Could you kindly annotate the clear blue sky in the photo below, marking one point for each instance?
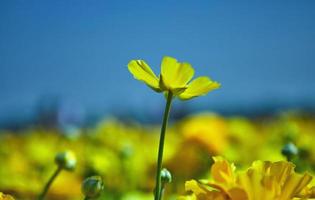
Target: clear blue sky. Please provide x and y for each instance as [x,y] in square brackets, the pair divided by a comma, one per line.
[261,51]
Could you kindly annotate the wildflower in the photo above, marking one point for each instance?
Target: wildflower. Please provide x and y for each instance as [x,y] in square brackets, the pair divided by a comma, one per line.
[174,78]
[262,181]
[173,81]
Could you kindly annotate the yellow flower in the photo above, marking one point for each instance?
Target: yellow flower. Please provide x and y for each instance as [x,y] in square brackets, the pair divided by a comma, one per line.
[208,130]
[5,197]
[262,181]
[174,78]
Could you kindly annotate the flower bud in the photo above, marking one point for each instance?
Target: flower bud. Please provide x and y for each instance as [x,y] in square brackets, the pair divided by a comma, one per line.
[289,150]
[166,176]
[92,186]
[66,160]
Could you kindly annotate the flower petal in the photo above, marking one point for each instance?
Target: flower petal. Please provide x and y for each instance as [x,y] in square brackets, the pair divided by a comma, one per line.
[5,197]
[200,86]
[222,171]
[194,186]
[237,193]
[141,71]
[175,75]
[294,184]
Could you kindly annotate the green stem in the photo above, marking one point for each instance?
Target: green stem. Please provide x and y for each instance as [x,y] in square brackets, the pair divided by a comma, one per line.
[161,147]
[161,192]
[48,184]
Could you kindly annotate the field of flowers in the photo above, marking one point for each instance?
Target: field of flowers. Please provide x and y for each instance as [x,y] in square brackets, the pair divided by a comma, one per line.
[124,154]
[157,100]
[206,156]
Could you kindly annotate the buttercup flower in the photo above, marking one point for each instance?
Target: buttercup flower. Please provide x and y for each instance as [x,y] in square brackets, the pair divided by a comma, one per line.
[173,81]
[174,78]
[262,181]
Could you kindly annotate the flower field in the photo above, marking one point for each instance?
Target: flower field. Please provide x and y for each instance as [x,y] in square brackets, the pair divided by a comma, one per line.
[157,100]
[124,153]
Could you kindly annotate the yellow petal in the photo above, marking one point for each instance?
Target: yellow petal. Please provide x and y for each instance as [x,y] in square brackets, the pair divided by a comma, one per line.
[141,71]
[222,171]
[175,75]
[200,86]
[307,193]
[188,197]
[294,185]
[194,186]
[5,197]
[201,192]
[237,193]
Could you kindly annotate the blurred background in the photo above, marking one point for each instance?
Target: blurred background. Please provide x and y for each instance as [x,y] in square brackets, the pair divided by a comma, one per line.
[64,84]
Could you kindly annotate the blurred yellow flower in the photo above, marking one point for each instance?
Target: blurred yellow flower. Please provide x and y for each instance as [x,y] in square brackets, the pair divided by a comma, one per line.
[206,129]
[5,197]
[262,181]
[174,77]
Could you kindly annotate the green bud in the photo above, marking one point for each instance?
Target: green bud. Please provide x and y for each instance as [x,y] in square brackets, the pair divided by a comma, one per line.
[289,150]
[66,160]
[92,186]
[166,176]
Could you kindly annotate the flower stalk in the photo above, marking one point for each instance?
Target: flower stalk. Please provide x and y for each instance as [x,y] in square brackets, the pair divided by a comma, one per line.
[174,81]
[48,184]
[158,184]
[64,160]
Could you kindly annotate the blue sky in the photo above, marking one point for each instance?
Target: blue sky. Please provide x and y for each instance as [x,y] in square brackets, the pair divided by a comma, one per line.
[261,51]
